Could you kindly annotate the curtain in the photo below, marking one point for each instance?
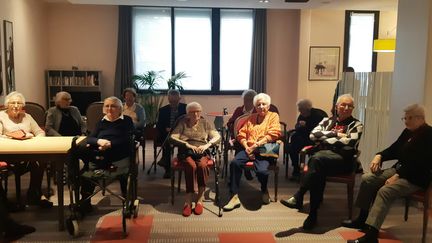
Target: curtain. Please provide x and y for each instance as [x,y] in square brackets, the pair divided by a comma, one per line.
[371,92]
[124,51]
[259,51]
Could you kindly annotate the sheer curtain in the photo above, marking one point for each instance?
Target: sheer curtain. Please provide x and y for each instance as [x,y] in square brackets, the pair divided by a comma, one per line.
[371,92]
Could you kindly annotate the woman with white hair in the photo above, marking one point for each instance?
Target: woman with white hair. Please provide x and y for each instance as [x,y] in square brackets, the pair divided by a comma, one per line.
[260,128]
[14,119]
[111,136]
[194,136]
[64,119]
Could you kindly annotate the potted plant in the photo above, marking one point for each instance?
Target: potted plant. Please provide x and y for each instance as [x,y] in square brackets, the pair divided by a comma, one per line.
[174,81]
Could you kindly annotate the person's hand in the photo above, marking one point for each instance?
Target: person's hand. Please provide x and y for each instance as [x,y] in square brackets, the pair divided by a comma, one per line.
[302,123]
[194,148]
[29,135]
[104,144]
[168,129]
[392,179]
[201,149]
[375,165]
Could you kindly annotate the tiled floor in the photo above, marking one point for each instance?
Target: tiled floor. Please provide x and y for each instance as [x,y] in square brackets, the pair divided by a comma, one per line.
[167,224]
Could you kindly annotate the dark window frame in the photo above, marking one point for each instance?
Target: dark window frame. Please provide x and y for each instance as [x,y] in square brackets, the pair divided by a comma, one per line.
[215,50]
[347,36]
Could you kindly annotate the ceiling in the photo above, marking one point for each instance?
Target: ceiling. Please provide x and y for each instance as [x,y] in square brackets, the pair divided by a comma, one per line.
[383,5]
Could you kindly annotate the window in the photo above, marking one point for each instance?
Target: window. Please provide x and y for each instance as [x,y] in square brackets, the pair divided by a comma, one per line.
[235,49]
[361,28]
[212,46]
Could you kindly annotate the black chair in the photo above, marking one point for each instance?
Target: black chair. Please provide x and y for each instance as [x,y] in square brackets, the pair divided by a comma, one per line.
[101,178]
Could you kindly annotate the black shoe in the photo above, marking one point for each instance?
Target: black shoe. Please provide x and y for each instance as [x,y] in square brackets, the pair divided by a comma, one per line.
[292,202]
[295,177]
[354,224]
[42,203]
[85,208]
[310,222]
[248,175]
[15,230]
[15,207]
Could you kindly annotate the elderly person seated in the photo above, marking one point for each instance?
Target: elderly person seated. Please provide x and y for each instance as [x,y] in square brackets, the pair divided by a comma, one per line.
[168,114]
[64,119]
[112,138]
[14,119]
[247,108]
[337,139]
[260,128]
[380,188]
[133,109]
[307,120]
[194,136]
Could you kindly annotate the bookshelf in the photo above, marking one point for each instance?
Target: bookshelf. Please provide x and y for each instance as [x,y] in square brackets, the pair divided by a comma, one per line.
[83,85]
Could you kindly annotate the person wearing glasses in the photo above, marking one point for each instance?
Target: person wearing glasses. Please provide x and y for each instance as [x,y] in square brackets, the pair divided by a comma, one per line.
[194,136]
[337,138]
[380,188]
[64,119]
[112,138]
[15,120]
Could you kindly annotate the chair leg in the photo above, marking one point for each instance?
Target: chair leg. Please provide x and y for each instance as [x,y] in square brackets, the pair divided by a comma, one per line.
[48,175]
[143,154]
[172,186]
[407,203]
[18,187]
[425,219]
[350,189]
[179,180]
[276,183]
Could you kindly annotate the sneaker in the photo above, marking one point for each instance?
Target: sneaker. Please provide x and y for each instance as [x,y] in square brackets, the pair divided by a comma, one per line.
[187,210]
[265,198]
[198,210]
[232,204]
[292,202]
[310,222]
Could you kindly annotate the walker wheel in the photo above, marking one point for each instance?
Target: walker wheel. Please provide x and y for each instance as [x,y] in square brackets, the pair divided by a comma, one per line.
[72,226]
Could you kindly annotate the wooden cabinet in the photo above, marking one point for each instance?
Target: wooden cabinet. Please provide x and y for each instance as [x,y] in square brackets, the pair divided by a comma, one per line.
[83,85]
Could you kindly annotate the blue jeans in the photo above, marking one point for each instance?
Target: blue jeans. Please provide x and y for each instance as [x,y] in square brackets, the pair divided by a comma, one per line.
[236,169]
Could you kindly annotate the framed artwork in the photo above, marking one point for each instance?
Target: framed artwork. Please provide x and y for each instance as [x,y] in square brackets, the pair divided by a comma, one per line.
[324,63]
[9,56]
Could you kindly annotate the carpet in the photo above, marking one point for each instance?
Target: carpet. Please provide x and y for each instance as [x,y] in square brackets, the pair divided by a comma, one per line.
[383,237]
[249,237]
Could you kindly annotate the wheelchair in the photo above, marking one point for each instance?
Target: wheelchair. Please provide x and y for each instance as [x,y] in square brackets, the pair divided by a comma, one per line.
[100,173]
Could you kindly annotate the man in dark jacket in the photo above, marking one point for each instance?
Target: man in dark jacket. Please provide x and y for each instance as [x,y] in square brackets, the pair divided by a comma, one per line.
[166,121]
[307,120]
[411,173]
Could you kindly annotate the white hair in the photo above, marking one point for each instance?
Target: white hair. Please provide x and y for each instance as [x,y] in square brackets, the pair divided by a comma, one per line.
[62,95]
[304,103]
[249,93]
[344,96]
[14,94]
[116,100]
[193,104]
[416,110]
[262,96]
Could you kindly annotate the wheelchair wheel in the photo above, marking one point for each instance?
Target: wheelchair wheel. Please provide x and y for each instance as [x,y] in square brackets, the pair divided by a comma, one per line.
[136,208]
[72,226]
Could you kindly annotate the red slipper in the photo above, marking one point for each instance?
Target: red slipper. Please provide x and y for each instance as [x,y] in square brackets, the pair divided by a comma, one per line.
[198,210]
[187,210]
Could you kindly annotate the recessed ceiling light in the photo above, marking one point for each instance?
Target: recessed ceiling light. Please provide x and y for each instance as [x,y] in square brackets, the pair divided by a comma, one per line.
[264,1]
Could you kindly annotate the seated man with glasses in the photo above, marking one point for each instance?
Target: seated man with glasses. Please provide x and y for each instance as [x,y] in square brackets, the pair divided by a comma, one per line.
[337,138]
[380,188]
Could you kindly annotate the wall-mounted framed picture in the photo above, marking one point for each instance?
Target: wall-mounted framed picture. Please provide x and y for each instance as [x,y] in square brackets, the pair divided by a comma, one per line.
[324,63]
[9,56]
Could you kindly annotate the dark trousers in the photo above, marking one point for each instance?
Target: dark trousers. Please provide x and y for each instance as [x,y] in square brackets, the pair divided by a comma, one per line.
[322,164]
[37,170]
[237,166]
[297,144]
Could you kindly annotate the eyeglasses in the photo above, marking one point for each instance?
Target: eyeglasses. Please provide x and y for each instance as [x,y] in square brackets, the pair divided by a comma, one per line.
[16,103]
[408,118]
[111,106]
[346,106]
